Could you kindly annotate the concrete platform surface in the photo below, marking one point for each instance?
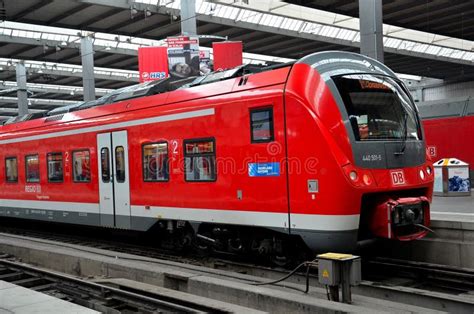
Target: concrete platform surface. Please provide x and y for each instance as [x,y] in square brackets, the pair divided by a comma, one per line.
[188,279]
[16,299]
[460,208]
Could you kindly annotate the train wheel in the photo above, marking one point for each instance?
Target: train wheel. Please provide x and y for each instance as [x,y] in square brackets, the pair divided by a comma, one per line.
[203,246]
[281,260]
[281,253]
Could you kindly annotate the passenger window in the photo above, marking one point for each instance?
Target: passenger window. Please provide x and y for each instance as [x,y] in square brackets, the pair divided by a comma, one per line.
[81,166]
[261,125]
[105,162]
[120,163]
[32,168]
[11,169]
[200,160]
[55,167]
[155,162]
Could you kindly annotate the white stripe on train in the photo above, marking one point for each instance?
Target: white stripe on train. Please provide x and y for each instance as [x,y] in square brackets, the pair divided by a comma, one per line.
[251,218]
[117,125]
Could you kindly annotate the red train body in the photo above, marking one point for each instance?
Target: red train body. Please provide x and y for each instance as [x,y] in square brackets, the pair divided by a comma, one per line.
[280,152]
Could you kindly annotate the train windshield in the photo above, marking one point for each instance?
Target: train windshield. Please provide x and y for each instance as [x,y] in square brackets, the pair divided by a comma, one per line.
[378,108]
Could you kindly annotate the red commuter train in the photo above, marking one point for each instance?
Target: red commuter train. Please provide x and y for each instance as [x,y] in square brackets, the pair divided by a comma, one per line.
[322,152]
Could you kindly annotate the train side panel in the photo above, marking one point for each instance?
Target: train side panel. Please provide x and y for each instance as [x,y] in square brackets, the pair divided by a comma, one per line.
[62,201]
[235,197]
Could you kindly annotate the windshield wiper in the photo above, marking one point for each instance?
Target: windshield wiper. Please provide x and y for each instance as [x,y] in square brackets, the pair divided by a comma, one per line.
[405,135]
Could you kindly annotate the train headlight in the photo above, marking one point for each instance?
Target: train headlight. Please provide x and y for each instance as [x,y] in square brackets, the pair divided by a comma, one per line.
[353,175]
[428,170]
[422,174]
[367,179]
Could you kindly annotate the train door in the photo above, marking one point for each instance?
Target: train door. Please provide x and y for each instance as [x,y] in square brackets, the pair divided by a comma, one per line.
[114,186]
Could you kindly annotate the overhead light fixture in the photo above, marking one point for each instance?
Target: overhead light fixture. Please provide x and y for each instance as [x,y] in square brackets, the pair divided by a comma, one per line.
[72,93]
[39,71]
[148,12]
[133,12]
[63,43]
[107,48]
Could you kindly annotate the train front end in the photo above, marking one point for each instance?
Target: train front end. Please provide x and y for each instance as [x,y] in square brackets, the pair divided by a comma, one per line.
[372,133]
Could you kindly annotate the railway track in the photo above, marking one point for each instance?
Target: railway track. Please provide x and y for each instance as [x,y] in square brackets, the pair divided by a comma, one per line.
[443,286]
[100,297]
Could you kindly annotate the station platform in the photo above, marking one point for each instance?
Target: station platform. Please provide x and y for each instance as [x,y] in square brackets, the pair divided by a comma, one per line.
[16,299]
[458,208]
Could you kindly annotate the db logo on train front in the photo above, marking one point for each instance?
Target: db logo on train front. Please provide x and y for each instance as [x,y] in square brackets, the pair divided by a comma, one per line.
[398,177]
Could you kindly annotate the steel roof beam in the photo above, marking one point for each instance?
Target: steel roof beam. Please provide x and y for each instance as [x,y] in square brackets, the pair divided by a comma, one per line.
[54,43]
[48,88]
[314,37]
[75,73]
[35,101]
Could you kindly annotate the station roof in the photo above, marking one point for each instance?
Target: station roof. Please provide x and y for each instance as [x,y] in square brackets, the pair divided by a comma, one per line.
[420,38]
[445,17]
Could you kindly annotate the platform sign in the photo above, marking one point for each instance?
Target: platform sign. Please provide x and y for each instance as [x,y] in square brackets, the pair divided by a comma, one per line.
[183,56]
[431,150]
[205,66]
[152,63]
[227,55]
[267,169]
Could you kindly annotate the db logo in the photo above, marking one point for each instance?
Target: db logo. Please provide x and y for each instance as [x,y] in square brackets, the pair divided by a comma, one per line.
[431,151]
[398,178]
[145,75]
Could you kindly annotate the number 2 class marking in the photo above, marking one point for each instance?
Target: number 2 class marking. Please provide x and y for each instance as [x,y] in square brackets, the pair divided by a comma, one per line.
[174,145]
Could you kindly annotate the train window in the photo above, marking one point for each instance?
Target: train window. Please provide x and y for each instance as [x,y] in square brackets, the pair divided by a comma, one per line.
[378,108]
[32,168]
[261,125]
[120,164]
[105,162]
[81,166]
[11,169]
[200,160]
[55,167]
[155,162]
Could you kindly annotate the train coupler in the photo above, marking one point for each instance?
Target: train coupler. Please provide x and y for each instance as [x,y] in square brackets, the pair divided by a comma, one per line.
[403,219]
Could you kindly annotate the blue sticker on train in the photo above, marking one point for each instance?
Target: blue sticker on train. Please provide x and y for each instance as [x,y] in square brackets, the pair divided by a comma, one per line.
[267,169]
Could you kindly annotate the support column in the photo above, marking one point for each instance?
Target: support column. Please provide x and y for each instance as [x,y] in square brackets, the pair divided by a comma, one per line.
[21,88]
[87,58]
[371,28]
[188,17]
